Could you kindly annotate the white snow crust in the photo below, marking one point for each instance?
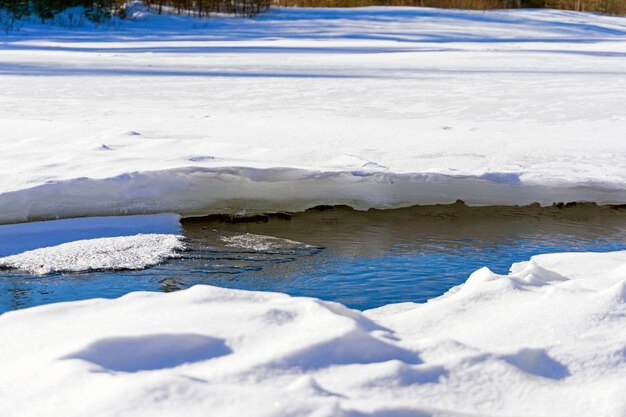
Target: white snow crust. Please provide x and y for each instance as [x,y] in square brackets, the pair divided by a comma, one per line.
[124,252]
[371,107]
[549,339]
[83,244]
[17,238]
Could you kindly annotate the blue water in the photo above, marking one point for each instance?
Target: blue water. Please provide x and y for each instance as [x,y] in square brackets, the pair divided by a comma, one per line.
[363,260]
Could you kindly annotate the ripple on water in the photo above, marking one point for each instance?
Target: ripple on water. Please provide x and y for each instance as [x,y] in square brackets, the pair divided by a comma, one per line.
[361,259]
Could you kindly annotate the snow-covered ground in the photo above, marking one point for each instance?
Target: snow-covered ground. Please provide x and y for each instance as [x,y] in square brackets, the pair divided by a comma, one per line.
[546,340]
[368,107]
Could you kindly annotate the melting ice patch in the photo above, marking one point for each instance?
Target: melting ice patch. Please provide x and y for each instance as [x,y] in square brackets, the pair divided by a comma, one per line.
[262,243]
[124,252]
[124,242]
[18,238]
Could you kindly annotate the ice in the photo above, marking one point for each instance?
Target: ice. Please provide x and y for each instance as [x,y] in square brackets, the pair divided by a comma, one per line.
[17,238]
[547,339]
[262,243]
[83,244]
[124,252]
[369,107]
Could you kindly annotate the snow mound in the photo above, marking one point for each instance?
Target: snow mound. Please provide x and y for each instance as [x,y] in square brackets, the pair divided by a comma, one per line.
[547,339]
[124,252]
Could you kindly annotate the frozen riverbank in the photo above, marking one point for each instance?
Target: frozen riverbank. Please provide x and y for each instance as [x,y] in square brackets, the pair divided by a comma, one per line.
[548,339]
[368,107]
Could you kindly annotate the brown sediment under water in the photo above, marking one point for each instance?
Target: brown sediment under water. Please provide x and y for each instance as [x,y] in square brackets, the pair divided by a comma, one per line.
[363,259]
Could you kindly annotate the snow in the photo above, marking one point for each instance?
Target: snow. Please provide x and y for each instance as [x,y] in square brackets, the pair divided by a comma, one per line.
[84,244]
[370,107]
[124,252]
[547,339]
[17,238]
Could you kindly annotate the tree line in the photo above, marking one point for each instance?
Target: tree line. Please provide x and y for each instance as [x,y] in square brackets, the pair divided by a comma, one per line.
[603,6]
[102,10]
[95,10]
[201,8]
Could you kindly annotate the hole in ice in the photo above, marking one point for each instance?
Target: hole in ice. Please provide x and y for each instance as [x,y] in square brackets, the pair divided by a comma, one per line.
[537,362]
[133,133]
[151,352]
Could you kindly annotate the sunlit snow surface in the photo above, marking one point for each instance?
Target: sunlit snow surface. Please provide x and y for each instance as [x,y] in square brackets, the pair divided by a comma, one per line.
[548,339]
[124,252]
[374,107]
[18,238]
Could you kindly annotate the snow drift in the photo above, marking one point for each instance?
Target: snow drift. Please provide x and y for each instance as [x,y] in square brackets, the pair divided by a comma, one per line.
[548,339]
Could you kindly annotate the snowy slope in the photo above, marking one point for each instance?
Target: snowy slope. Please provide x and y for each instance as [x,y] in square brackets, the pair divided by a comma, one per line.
[368,107]
[547,340]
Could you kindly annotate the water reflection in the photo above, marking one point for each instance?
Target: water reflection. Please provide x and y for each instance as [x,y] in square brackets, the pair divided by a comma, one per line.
[362,259]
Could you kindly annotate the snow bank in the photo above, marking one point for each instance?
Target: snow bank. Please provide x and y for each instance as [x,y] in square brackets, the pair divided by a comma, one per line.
[125,252]
[371,107]
[198,191]
[548,339]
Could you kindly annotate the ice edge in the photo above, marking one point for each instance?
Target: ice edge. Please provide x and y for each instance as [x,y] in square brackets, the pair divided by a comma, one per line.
[197,191]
